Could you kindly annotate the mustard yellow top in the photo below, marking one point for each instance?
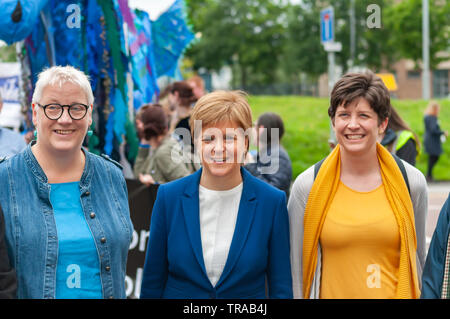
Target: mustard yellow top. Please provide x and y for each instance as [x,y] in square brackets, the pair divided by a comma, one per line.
[320,198]
[360,243]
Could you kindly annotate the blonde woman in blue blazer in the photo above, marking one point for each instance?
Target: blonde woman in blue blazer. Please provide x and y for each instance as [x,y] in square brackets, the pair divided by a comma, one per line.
[220,232]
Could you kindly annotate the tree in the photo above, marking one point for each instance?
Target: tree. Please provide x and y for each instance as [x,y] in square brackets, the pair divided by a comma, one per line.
[303,51]
[405,19]
[269,41]
[371,47]
[8,53]
[244,33]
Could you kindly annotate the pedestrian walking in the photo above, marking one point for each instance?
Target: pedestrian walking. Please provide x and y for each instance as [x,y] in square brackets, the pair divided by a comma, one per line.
[433,135]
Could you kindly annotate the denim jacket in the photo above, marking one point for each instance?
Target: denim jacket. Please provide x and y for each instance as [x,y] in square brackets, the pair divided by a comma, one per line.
[30,226]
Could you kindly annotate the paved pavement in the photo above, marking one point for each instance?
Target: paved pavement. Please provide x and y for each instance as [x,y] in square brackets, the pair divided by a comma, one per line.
[437,195]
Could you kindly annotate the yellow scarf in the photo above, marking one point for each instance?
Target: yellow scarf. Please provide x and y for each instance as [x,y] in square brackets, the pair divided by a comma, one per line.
[320,198]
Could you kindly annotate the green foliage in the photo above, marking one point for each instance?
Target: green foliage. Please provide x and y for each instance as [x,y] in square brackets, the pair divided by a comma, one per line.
[274,41]
[247,33]
[303,51]
[370,43]
[8,53]
[405,22]
[307,128]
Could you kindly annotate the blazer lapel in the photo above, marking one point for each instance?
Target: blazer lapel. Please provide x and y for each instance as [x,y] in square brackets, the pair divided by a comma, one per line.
[191,209]
[247,207]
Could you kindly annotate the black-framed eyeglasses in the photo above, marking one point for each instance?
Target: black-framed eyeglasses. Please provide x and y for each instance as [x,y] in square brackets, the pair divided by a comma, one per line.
[54,111]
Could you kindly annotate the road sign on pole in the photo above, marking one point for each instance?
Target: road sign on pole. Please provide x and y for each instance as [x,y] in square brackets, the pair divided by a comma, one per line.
[327,25]
[425,50]
[327,39]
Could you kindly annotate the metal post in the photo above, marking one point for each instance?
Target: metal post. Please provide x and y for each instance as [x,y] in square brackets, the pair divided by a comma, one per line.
[352,33]
[425,51]
[331,72]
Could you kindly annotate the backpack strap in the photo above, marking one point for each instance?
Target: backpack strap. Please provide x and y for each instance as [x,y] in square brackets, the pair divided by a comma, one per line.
[396,158]
[403,170]
[317,167]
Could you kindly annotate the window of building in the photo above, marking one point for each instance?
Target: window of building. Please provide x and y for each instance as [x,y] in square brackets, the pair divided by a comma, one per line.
[440,83]
[414,74]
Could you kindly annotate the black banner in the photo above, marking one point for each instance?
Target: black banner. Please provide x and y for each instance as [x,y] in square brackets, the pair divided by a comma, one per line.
[141,199]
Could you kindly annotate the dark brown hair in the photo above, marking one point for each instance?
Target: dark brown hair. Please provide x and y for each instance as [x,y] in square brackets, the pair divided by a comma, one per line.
[396,123]
[141,110]
[269,121]
[354,86]
[154,120]
[165,92]
[185,93]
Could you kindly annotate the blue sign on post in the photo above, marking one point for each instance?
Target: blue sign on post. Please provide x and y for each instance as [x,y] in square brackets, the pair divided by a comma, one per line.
[327,25]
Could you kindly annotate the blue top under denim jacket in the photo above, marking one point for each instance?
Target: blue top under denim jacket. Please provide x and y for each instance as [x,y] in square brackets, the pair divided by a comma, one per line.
[31,230]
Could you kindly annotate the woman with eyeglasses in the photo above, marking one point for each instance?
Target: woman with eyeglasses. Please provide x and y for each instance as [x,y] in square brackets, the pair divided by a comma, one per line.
[66,210]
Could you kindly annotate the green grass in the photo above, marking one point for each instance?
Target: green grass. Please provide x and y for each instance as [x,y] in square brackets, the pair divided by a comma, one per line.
[307,128]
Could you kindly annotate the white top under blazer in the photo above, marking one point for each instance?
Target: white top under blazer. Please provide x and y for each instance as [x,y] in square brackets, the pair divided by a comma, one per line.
[218,214]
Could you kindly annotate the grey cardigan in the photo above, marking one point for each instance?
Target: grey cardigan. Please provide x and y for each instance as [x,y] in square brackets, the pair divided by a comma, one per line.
[296,208]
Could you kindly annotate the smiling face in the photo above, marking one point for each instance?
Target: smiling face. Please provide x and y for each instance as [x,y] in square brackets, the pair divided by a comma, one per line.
[357,127]
[63,134]
[222,149]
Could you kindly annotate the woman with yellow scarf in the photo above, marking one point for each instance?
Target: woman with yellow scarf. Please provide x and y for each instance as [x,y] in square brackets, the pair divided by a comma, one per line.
[356,229]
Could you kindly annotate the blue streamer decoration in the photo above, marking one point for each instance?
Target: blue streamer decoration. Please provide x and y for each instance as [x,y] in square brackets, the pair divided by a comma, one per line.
[19,18]
[171,35]
[143,61]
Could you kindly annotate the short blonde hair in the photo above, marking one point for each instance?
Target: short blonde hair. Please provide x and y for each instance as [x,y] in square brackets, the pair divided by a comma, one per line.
[58,75]
[432,108]
[222,106]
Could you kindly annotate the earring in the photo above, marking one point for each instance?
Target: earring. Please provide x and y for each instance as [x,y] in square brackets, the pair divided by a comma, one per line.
[35,133]
[89,133]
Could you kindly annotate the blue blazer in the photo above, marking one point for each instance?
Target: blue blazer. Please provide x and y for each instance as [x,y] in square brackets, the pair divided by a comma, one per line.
[174,266]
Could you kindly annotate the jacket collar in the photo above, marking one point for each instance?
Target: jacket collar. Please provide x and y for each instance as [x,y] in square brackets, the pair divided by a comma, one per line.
[191,211]
[38,172]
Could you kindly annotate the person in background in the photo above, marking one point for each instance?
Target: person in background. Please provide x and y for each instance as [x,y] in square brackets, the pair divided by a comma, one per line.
[181,98]
[220,232]
[8,283]
[356,230]
[67,218]
[436,273]
[160,159]
[273,164]
[11,142]
[167,103]
[433,135]
[400,140]
[138,120]
[198,86]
